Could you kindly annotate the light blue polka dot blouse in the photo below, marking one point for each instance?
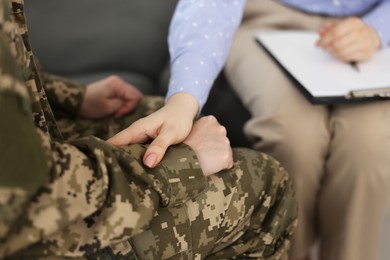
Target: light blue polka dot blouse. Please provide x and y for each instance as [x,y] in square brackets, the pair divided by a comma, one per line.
[199,39]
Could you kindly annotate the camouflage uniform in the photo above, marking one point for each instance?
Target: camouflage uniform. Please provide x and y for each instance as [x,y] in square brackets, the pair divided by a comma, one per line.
[65,193]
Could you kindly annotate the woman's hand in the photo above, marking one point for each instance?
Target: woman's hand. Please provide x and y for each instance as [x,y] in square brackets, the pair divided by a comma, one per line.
[111,95]
[349,40]
[169,125]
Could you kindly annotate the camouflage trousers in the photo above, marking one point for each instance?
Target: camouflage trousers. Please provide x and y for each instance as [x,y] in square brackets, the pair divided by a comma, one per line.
[245,212]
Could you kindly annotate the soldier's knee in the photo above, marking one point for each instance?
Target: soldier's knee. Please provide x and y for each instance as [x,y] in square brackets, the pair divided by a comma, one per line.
[268,179]
[260,167]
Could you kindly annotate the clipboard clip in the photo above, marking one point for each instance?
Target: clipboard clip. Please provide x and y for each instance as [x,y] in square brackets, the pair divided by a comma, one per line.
[369,93]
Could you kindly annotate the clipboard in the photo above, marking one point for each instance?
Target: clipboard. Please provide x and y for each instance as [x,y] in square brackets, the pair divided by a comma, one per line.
[322,78]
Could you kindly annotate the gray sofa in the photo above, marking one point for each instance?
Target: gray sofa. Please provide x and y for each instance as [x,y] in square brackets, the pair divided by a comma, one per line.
[90,39]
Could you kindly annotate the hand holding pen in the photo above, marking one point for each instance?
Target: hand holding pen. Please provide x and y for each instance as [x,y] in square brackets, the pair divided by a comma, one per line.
[349,40]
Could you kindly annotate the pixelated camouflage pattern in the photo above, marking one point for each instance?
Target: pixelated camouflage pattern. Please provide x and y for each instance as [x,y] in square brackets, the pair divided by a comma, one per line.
[250,222]
[65,193]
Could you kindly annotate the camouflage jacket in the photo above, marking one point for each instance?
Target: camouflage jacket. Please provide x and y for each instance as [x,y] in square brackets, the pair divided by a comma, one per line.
[96,195]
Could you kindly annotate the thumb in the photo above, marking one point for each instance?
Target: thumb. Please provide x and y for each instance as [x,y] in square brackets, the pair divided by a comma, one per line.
[157,149]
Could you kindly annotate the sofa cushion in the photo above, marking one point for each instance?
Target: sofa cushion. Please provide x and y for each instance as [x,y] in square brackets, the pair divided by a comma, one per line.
[85,37]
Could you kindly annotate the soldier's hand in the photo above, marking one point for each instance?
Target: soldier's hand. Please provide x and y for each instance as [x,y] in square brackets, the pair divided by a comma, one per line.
[211,145]
[169,125]
[108,96]
[349,39]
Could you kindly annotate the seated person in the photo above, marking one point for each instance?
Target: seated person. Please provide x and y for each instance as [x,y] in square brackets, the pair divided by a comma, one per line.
[337,155]
[65,192]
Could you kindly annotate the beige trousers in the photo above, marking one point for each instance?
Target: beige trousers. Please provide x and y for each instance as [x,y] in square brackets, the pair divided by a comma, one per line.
[338,156]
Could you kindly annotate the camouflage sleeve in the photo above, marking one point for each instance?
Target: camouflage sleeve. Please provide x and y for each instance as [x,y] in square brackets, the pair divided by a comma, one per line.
[63,95]
[72,199]
[15,141]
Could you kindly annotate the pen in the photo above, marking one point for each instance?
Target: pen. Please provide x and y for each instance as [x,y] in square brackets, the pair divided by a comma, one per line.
[354,65]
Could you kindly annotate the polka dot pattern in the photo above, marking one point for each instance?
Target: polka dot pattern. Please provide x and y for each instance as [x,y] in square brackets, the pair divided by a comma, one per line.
[199,40]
